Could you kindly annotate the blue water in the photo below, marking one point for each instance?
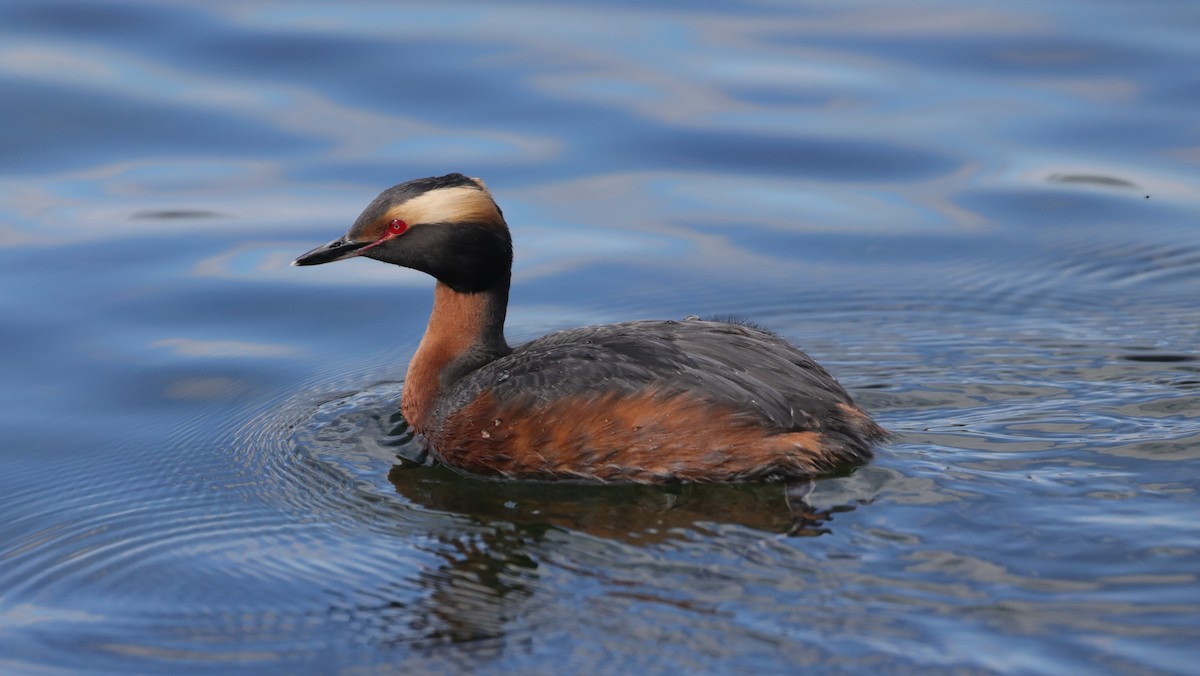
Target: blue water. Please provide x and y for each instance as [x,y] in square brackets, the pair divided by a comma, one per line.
[984,218]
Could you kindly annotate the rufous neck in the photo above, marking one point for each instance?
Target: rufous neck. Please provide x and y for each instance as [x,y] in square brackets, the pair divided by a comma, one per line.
[466,331]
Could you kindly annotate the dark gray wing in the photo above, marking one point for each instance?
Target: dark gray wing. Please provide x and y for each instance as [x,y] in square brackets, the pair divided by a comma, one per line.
[730,364]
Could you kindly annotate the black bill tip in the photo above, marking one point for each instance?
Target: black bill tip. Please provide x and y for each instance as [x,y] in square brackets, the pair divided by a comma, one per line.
[328,253]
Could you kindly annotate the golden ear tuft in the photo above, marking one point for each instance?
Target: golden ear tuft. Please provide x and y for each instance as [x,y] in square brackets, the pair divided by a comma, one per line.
[479,182]
[459,204]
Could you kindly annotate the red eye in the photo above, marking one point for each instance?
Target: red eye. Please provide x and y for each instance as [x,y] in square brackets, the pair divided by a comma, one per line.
[397,227]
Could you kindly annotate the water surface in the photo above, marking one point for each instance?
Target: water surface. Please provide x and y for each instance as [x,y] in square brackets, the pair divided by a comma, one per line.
[982,219]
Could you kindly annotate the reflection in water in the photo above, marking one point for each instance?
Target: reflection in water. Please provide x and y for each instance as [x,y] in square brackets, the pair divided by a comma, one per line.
[482,584]
[632,514]
[1105,181]
[489,578]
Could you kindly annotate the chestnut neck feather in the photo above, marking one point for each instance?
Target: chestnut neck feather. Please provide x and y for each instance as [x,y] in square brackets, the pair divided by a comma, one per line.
[466,331]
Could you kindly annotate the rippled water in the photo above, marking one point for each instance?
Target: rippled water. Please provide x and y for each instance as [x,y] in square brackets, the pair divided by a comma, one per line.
[982,218]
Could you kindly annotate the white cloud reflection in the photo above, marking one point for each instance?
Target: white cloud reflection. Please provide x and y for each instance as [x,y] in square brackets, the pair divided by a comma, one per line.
[191,347]
[683,69]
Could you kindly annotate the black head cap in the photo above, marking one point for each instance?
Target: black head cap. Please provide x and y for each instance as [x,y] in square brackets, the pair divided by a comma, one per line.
[448,226]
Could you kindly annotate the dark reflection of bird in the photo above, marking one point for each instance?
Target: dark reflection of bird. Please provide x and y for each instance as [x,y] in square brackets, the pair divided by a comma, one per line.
[642,401]
[630,513]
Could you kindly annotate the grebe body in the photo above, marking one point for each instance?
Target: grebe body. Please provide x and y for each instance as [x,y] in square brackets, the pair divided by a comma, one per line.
[640,401]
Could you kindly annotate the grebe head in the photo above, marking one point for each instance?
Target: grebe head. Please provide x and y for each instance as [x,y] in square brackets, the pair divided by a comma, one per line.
[447,226]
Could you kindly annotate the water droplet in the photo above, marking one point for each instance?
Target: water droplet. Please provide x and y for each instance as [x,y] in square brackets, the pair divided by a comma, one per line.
[503,376]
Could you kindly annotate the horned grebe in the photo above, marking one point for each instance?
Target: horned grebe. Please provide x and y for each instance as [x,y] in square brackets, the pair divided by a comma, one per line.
[640,401]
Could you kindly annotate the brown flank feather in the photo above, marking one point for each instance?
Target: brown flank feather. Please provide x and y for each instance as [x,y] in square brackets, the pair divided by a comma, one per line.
[640,437]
